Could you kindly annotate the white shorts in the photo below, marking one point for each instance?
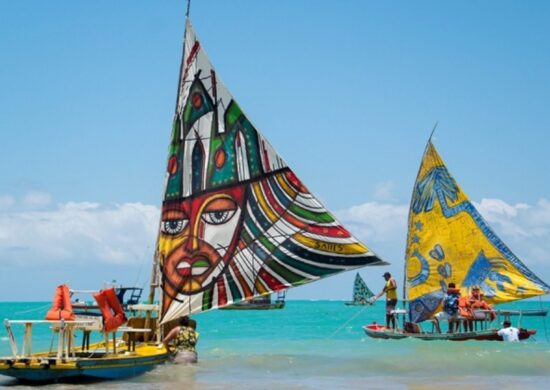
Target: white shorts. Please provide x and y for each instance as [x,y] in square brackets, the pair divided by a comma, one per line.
[444,316]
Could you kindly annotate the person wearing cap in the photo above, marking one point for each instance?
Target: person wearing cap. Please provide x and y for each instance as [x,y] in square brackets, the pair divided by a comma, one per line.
[508,332]
[390,289]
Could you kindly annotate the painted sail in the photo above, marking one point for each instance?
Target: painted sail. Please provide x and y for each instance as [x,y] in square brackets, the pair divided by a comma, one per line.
[449,241]
[361,292]
[236,221]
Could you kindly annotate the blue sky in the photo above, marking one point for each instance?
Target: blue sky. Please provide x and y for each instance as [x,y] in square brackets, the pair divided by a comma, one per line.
[346,91]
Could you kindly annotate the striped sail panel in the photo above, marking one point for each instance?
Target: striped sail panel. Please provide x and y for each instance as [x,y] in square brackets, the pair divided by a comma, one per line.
[236,221]
[449,241]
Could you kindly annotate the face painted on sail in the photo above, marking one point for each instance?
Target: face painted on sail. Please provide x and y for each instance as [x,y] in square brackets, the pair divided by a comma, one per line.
[236,222]
[198,238]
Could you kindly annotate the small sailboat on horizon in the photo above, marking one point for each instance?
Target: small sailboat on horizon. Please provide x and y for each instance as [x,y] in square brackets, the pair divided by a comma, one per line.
[362,294]
[448,241]
[265,302]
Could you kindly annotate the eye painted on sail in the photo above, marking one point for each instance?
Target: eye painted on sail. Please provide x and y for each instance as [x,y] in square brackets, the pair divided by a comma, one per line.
[219,211]
[173,222]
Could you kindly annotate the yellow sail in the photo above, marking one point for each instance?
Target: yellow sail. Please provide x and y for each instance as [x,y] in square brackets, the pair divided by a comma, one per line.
[449,241]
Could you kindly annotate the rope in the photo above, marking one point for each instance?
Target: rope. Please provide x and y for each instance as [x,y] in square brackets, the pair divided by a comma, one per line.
[33,310]
[144,260]
[348,321]
[51,342]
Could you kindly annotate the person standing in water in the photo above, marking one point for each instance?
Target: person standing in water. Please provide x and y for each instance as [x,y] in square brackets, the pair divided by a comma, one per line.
[508,332]
[390,289]
[184,338]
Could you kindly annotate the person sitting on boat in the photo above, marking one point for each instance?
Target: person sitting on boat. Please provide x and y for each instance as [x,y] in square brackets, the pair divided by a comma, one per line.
[508,332]
[390,289]
[465,312]
[480,309]
[184,337]
[450,309]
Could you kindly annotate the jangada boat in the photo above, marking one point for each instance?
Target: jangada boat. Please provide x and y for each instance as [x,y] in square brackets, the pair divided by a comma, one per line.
[260,303]
[236,223]
[362,294]
[449,241]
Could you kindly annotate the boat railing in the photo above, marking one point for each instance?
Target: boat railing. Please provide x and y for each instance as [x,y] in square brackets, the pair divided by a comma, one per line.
[65,349]
[281,295]
[500,315]
[65,329]
[144,307]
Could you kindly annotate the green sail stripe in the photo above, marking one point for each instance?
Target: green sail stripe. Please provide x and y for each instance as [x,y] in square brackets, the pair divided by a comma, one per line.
[269,246]
[245,237]
[323,217]
[287,274]
[302,266]
[254,230]
[207,300]
[235,292]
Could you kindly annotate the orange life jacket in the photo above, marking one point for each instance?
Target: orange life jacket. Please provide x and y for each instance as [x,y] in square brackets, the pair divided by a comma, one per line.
[464,308]
[61,305]
[482,305]
[111,310]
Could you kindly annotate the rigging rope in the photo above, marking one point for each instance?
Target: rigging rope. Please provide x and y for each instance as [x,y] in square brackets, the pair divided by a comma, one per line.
[33,310]
[348,321]
[144,260]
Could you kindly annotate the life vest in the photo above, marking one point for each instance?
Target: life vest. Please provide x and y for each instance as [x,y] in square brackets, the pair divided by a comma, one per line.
[391,291]
[464,308]
[62,309]
[484,306]
[111,310]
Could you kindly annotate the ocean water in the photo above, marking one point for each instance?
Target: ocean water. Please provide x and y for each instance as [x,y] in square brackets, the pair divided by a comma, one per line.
[321,345]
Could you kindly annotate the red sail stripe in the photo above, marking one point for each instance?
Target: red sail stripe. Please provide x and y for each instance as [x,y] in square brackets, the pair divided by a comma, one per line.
[242,282]
[222,293]
[327,231]
[272,283]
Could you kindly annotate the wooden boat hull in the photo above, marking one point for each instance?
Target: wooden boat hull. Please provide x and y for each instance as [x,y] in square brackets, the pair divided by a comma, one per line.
[41,368]
[381,332]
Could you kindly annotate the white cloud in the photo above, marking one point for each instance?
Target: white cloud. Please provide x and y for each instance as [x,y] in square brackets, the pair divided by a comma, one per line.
[374,221]
[79,233]
[37,199]
[6,201]
[524,228]
[92,233]
[497,211]
[383,191]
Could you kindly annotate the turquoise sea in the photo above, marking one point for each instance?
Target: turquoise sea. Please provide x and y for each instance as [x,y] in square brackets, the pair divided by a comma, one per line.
[320,345]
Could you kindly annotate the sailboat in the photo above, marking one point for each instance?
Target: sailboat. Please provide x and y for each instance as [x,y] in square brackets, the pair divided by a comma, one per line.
[260,303]
[236,223]
[449,241]
[362,294]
